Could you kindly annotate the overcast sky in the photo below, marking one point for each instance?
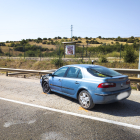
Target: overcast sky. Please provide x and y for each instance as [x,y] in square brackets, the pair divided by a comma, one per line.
[24,19]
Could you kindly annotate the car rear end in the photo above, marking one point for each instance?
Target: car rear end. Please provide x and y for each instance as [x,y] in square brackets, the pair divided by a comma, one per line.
[113,89]
[112,85]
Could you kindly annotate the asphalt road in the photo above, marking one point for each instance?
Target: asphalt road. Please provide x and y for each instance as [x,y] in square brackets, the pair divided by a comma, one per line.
[20,122]
[26,122]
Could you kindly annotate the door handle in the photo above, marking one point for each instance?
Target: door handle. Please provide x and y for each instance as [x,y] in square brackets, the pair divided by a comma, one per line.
[76,82]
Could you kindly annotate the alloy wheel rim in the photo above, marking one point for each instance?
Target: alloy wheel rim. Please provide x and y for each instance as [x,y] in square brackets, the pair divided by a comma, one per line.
[84,100]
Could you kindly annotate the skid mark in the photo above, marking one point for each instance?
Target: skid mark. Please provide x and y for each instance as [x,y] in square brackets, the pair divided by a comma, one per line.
[8,124]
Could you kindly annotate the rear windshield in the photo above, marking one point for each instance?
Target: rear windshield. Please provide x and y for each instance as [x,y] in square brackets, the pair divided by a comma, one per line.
[102,72]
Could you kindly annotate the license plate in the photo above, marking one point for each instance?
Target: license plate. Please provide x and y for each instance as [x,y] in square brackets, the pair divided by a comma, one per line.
[122,95]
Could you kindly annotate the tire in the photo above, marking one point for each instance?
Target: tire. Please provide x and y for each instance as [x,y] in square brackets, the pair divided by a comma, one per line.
[85,100]
[46,88]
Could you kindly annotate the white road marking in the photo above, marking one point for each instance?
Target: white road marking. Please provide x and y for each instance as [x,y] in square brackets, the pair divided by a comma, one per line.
[74,114]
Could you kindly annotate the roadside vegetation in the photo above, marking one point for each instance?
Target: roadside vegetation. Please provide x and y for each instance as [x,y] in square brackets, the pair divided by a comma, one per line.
[124,52]
[86,47]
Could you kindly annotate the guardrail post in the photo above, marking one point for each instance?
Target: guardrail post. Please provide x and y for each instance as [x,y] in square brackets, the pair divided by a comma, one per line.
[138,84]
[6,73]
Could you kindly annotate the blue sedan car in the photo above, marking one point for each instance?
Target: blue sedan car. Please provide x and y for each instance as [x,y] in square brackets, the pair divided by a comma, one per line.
[90,84]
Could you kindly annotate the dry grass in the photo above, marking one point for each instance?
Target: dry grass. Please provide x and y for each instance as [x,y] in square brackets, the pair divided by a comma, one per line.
[46,65]
[5,49]
[43,45]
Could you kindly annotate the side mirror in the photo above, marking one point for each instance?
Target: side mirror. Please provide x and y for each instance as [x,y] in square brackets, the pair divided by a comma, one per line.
[50,74]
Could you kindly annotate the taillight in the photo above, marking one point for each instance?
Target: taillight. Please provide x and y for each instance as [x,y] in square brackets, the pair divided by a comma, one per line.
[106,85]
[128,82]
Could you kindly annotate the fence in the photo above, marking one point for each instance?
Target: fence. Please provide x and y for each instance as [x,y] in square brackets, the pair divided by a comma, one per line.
[82,51]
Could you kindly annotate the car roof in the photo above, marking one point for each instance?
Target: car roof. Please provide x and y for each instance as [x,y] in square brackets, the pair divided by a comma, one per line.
[82,65]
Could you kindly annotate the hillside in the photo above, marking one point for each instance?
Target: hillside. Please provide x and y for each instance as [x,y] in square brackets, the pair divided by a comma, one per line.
[49,45]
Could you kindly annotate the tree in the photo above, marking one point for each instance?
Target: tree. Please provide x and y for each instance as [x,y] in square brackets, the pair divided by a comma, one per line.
[55,37]
[99,37]
[39,38]
[129,54]
[23,42]
[59,37]
[132,37]
[12,44]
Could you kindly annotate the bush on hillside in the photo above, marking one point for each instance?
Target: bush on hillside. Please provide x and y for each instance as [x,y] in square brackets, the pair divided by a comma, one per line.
[44,42]
[93,42]
[130,40]
[57,62]
[59,37]
[39,38]
[129,54]
[2,44]
[79,42]
[12,44]
[65,38]
[23,42]
[103,59]
[1,51]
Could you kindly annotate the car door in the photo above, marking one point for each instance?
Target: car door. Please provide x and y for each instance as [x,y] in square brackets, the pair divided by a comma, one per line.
[56,80]
[71,81]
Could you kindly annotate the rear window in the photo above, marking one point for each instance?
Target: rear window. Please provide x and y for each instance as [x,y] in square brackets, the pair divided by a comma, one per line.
[102,72]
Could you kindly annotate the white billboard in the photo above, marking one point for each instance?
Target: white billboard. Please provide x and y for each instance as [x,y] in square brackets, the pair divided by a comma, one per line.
[70,49]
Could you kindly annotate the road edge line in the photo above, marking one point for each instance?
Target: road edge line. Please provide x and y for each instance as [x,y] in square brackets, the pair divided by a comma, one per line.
[74,114]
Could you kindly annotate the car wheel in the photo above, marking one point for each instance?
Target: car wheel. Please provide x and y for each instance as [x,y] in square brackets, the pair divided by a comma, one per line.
[46,88]
[85,100]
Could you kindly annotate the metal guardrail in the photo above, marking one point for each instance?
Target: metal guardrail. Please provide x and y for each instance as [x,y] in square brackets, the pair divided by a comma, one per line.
[130,71]
[40,72]
[24,71]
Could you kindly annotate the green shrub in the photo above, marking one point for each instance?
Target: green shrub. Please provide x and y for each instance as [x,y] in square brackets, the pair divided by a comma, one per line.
[59,37]
[103,59]
[130,40]
[8,54]
[51,49]
[2,44]
[99,37]
[55,37]
[93,42]
[28,40]
[44,42]
[79,42]
[39,38]
[1,51]
[30,53]
[20,54]
[57,62]
[12,44]
[129,54]
[23,42]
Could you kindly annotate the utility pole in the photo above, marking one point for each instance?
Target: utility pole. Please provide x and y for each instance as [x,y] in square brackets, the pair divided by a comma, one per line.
[71,31]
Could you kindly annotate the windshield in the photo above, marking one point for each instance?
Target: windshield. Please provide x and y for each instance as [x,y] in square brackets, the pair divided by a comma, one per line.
[102,72]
